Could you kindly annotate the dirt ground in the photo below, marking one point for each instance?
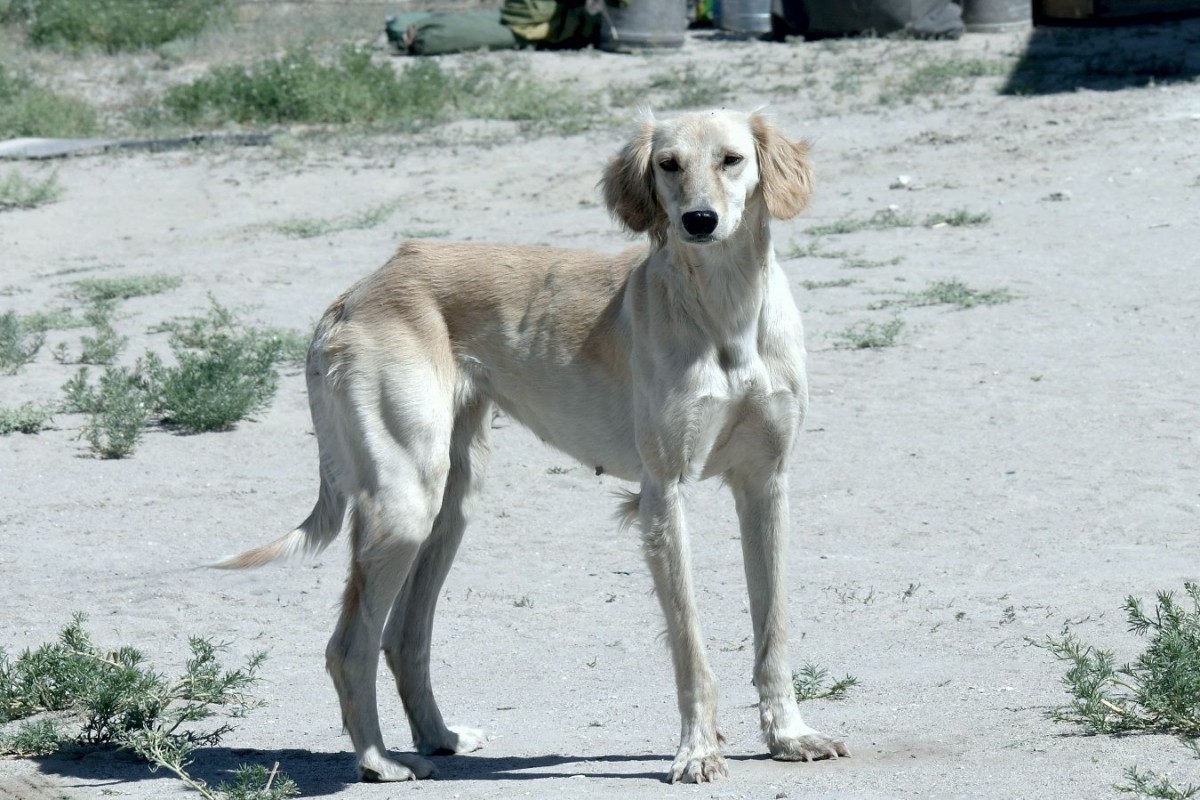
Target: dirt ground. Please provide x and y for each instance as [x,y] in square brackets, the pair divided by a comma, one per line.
[1000,472]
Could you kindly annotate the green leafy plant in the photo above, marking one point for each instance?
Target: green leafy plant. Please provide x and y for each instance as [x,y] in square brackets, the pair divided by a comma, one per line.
[869,335]
[17,191]
[106,345]
[950,292]
[309,227]
[1158,692]
[102,290]
[883,219]
[113,699]
[18,344]
[118,409]
[29,109]
[116,25]
[25,418]
[812,682]
[958,218]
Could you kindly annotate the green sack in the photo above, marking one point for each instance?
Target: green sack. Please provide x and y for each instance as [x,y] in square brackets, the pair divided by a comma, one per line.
[436,34]
[556,23]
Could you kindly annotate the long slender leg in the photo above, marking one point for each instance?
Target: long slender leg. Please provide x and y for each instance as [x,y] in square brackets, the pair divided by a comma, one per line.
[762,508]
[664,538]
[380,562]
[406,640]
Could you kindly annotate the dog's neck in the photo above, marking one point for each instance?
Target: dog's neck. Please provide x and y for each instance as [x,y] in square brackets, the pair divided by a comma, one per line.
[721,285]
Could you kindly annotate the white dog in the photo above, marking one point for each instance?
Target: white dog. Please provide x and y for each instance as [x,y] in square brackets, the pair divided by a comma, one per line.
[662,367]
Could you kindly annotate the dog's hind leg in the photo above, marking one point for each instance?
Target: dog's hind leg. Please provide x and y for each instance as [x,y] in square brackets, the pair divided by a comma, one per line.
[406,640]
[402,443]
[762,508]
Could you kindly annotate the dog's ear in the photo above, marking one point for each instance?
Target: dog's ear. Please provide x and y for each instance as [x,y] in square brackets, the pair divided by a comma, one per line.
[785,174]
[629,184]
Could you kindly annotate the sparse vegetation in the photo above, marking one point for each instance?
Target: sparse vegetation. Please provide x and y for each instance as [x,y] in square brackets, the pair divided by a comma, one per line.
[114,25]
[106,345]
[17,191]
[833,284]
[353,89]
[112,699]
[29,109]
[690,86]
[812,682]
[55,319]
[309,227]
[958,218]
[18,343]
[25,418]
[103,290]
[1158,692]
[883,219]
[950,292]
[951,75]
[869,335]
[118,409]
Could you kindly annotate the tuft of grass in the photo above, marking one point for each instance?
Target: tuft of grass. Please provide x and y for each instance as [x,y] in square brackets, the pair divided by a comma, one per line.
[28,109]
[310,227]
[115,25]
[883,219]
[17,191]
[1146,784]
[811,682]
[869,335]
[113,699]
[25,418]
[102,290]
[950,292]
[833,284]
[958,218]
[18,344]
[858,262]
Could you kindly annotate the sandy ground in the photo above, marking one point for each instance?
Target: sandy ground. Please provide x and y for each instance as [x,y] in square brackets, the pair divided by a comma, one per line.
[999,473]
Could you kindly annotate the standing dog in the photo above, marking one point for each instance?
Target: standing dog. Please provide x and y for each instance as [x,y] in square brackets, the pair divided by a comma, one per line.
[662,367]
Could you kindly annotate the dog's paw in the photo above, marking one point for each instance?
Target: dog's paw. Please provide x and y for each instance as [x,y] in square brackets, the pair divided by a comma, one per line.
[698,765]
[812,746]
[455,741]
[406,767]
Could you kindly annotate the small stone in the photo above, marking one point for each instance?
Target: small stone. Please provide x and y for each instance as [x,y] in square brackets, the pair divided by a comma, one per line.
[901,182]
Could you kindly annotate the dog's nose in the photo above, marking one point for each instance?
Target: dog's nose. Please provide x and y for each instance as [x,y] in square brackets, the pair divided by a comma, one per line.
[700,223]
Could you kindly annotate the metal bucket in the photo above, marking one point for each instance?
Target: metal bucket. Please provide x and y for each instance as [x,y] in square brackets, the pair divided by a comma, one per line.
[644,25]
[745,16]
[997,16]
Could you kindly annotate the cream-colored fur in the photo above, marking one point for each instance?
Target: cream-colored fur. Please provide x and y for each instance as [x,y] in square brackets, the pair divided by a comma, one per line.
[660,366]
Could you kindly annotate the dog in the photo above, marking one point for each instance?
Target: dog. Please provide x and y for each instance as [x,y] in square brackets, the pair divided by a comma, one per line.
[661,365]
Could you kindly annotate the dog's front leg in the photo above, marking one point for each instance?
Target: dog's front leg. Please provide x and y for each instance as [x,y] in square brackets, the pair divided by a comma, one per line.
[664,538]
[762,507]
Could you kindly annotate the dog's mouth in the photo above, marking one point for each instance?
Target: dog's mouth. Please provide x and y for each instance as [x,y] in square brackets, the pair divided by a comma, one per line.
[703,238]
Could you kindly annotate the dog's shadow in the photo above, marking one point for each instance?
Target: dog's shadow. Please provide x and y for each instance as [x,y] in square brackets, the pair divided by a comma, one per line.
[320,774]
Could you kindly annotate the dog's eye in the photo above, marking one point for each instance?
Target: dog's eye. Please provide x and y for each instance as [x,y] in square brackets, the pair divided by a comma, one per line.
[732,160]
[669,165]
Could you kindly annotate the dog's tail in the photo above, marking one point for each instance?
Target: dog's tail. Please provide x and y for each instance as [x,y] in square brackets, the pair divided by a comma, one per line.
[314,534]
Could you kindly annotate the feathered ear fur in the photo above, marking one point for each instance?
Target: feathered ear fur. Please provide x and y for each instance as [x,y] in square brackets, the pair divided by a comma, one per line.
[629,186]
[785,174]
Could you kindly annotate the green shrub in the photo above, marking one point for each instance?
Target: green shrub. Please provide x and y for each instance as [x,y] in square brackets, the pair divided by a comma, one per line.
[17,191]
[211,389]
[116,25]
[119,410]
[27,109]
[869,335]
[106,345]
[18,344]
[25,418]
[299,88]
[114,699]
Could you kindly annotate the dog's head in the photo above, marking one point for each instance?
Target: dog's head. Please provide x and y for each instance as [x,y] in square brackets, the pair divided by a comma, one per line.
[693,176]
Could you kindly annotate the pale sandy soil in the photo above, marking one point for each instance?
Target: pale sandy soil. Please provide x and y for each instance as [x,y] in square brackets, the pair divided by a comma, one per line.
[1008,468]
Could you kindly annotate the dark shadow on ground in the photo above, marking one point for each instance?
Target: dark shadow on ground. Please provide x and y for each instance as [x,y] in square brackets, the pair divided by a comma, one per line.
[322,774]
[1062,59]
